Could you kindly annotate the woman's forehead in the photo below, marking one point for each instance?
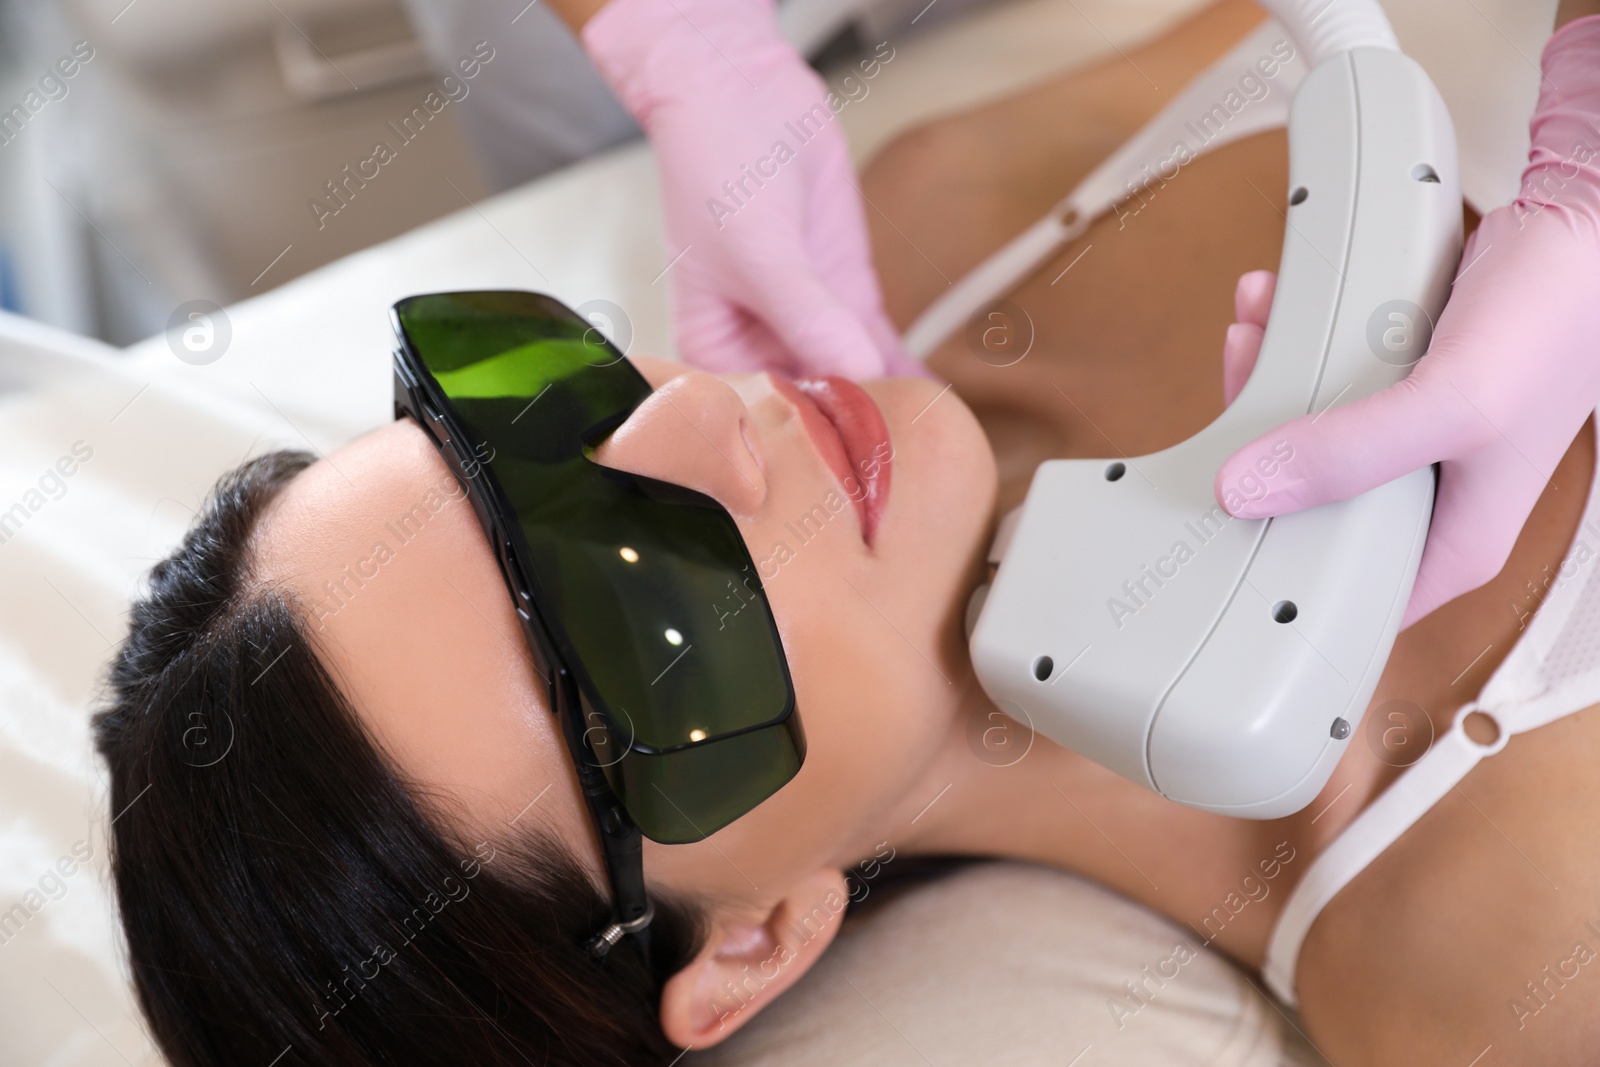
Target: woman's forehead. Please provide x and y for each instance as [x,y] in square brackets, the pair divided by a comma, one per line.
[403,599]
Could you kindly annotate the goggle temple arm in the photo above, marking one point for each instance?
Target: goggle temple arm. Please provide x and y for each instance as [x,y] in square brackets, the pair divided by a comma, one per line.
[621,843]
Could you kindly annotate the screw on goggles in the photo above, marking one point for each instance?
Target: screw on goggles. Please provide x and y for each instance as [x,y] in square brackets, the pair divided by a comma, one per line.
[679,714]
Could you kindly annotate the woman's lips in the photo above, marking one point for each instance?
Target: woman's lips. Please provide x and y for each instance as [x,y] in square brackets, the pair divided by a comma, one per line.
[849,433]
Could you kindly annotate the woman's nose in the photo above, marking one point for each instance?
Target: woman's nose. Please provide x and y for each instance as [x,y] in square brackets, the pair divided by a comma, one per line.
[692,432]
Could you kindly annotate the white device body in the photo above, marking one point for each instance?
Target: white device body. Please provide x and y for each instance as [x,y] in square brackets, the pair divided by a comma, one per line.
[1191,687]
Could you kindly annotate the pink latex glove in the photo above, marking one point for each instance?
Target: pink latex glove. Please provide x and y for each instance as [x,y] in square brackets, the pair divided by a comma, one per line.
[781,275]
[1511,374]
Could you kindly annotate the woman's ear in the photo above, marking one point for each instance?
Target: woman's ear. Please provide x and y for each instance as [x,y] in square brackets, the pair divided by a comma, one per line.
[745,965]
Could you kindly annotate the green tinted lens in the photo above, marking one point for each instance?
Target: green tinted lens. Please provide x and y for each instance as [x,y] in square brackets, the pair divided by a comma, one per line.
[646,589]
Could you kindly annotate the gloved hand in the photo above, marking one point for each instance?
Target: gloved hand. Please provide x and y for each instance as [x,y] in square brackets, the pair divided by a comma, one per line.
[1252,301]
[757,188]
[1511,374]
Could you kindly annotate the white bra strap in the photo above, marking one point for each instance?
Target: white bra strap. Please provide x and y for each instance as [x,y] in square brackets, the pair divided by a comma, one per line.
[1417,789]
[1133,167]
[1520,695]
[995,276]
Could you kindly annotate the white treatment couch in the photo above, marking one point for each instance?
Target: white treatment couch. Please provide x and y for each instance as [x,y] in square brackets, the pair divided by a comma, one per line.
[995,964]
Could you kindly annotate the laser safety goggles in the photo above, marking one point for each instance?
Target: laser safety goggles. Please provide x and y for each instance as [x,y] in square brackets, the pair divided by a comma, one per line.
[678,713]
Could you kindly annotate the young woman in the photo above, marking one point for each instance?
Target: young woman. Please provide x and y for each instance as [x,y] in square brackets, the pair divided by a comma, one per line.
[389,861]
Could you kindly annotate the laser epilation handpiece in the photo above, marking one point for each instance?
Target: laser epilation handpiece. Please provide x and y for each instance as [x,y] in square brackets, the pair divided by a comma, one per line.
[1226,663]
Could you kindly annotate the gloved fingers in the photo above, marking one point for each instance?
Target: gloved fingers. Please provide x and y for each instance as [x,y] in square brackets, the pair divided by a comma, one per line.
[1240,350]
[838,243]
[1478,513]
[1341,451]
[898,362]
[1252,297]
[836,227]
[797,327]
[1469,251]
[845,263]
[821,333]
[764,275]
[717,336]
[1252,302]
[761,262]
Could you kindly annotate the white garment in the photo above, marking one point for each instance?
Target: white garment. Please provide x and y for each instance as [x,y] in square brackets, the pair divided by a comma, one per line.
[1553,671]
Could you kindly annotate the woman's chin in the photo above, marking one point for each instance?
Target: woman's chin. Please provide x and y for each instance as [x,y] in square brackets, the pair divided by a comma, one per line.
[942,495]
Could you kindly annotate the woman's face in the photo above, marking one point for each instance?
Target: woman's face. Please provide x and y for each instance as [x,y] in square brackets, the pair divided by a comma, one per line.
[408,608]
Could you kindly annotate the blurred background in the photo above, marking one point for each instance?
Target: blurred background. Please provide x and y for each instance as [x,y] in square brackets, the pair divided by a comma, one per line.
[154,152]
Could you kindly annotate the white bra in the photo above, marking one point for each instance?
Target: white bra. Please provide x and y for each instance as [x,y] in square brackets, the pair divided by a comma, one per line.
[1551,672]
[1554,669]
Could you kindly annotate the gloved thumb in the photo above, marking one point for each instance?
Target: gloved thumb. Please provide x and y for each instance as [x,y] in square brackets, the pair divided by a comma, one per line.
[1339,452]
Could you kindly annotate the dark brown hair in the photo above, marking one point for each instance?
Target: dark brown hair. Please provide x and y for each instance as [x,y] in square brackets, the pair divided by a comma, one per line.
[282,893]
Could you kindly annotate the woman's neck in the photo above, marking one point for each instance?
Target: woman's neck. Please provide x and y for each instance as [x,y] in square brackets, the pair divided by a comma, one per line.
[997,788]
